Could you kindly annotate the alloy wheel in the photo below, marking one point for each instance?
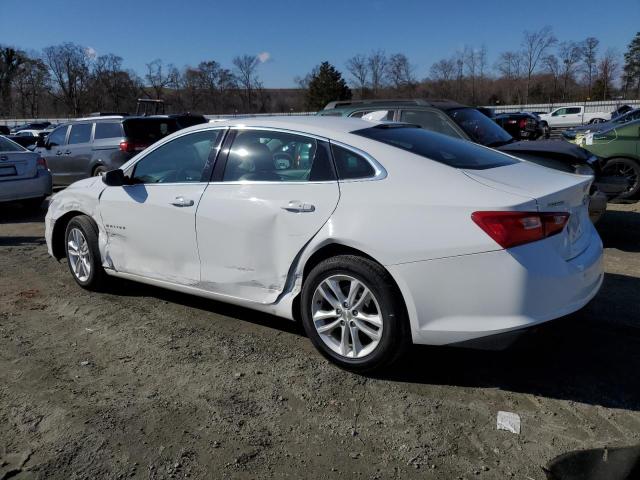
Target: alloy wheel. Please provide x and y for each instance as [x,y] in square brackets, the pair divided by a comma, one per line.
[347,316]
[626,171]
[79,255]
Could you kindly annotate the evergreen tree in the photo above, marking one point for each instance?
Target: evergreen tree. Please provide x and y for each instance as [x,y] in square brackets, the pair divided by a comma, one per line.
[325,84]
[632,66]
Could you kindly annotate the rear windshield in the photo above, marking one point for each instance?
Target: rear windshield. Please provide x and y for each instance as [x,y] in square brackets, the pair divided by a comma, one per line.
[435,146]
[149,130]
[479,127]
[7,145]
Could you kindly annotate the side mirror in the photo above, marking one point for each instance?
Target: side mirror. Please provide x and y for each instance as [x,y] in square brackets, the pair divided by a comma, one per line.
[41,143]
[114,178]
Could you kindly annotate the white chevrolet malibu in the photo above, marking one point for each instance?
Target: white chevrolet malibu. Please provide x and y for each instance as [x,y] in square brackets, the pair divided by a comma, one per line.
[375,235]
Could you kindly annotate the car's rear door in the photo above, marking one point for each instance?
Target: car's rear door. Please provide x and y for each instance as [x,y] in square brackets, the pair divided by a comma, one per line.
[54,154]
[150,224]
[270,196]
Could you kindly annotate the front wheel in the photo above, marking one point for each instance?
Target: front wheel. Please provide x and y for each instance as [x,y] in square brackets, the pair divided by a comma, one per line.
[353,313]
[629,170]
[83,255]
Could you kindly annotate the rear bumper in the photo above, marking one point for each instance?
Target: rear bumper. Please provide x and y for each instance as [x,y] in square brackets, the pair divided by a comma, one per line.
[24,189]
[458,299]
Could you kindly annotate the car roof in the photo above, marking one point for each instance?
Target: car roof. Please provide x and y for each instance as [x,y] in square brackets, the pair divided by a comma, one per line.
[327,127]
[352,105]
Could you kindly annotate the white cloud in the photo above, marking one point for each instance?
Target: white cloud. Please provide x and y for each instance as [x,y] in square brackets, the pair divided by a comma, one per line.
[91,52]
[264,57]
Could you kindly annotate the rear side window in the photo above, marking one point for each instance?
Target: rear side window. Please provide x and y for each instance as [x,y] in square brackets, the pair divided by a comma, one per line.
[80,133]
[434,146]
[9,146]
[350,165]
[145,131]
[573,110]
[108,130]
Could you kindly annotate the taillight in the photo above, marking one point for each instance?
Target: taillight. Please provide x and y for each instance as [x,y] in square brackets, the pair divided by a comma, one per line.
[41,163]
[130,147]
[509,229]
[522,123]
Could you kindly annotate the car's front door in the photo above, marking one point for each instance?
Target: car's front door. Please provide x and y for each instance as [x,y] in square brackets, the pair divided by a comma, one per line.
[276,192]
[150,224]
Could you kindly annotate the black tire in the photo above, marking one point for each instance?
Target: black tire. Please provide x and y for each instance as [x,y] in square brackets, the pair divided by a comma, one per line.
[99,170]
[33,204]
[97,278]
[546,131]
[395,337]
[627,168]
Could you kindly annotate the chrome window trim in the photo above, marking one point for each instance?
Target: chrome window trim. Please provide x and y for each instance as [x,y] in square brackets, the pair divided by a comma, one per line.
[278,129]
[379,171]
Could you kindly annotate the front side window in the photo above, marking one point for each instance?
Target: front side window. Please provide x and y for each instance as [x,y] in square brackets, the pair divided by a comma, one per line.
[430,120]
[58,136]
[560,111]
[108,130]
[80,133]
[440,148]
[178,161]
[270,156]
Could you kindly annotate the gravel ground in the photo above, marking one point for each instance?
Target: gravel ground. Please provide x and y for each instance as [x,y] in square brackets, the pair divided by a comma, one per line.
[145,383]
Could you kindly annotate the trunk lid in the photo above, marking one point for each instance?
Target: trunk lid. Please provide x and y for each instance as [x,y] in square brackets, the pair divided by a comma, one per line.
[18,165]
[553,191]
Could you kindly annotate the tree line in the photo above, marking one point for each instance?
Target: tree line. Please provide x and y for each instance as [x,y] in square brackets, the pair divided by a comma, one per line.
[71,80]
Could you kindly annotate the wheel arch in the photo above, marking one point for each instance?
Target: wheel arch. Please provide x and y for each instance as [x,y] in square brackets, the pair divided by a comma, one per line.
[333,249]
[59,229]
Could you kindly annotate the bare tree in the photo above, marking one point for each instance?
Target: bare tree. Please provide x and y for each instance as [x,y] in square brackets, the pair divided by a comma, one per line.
[246,73]
[590,60]
[377,63]
[157,77]
[359,70]
[535,45]
[400,72]
[470,59]
[552,66]
[509,65]
[443,73]
[608,69]
[31,84]
[69,65]
[570,55]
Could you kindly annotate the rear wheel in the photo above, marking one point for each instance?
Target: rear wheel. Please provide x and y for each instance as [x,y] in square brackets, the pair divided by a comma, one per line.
[83,255]
[353,313]
[629,170]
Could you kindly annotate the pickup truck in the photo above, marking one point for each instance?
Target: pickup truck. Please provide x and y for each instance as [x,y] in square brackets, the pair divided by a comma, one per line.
[573,116]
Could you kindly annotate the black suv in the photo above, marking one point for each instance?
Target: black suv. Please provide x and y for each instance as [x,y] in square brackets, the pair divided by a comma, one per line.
[94,145]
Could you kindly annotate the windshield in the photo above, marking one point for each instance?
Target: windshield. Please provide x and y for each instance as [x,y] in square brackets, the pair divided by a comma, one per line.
[7,145]
[435,146]
[479,127]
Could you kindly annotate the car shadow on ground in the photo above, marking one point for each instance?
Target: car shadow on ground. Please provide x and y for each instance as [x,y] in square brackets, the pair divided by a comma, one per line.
[592,356]
[12,241]
[16,213]
[620,229]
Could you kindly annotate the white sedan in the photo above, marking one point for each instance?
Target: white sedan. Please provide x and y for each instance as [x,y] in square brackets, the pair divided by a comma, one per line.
[375,235]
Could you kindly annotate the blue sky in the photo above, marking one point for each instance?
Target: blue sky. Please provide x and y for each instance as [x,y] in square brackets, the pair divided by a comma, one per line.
[296,35]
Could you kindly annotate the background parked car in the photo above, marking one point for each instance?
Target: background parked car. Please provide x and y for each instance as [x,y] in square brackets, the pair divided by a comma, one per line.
[23,175]
[26,141]
[620,148]
[4,130]
[93,145]
[523,125]
[572,116]
[576,134]
[30,126]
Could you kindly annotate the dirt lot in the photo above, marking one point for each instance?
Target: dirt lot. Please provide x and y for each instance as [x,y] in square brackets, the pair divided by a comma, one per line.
[145,383]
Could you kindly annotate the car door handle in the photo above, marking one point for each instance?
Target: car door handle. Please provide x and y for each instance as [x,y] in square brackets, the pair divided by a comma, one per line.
[59,152]
[297,206]
[180,201]
[68,152]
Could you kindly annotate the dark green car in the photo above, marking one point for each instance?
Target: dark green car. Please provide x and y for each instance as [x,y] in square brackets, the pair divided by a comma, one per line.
[620,148]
